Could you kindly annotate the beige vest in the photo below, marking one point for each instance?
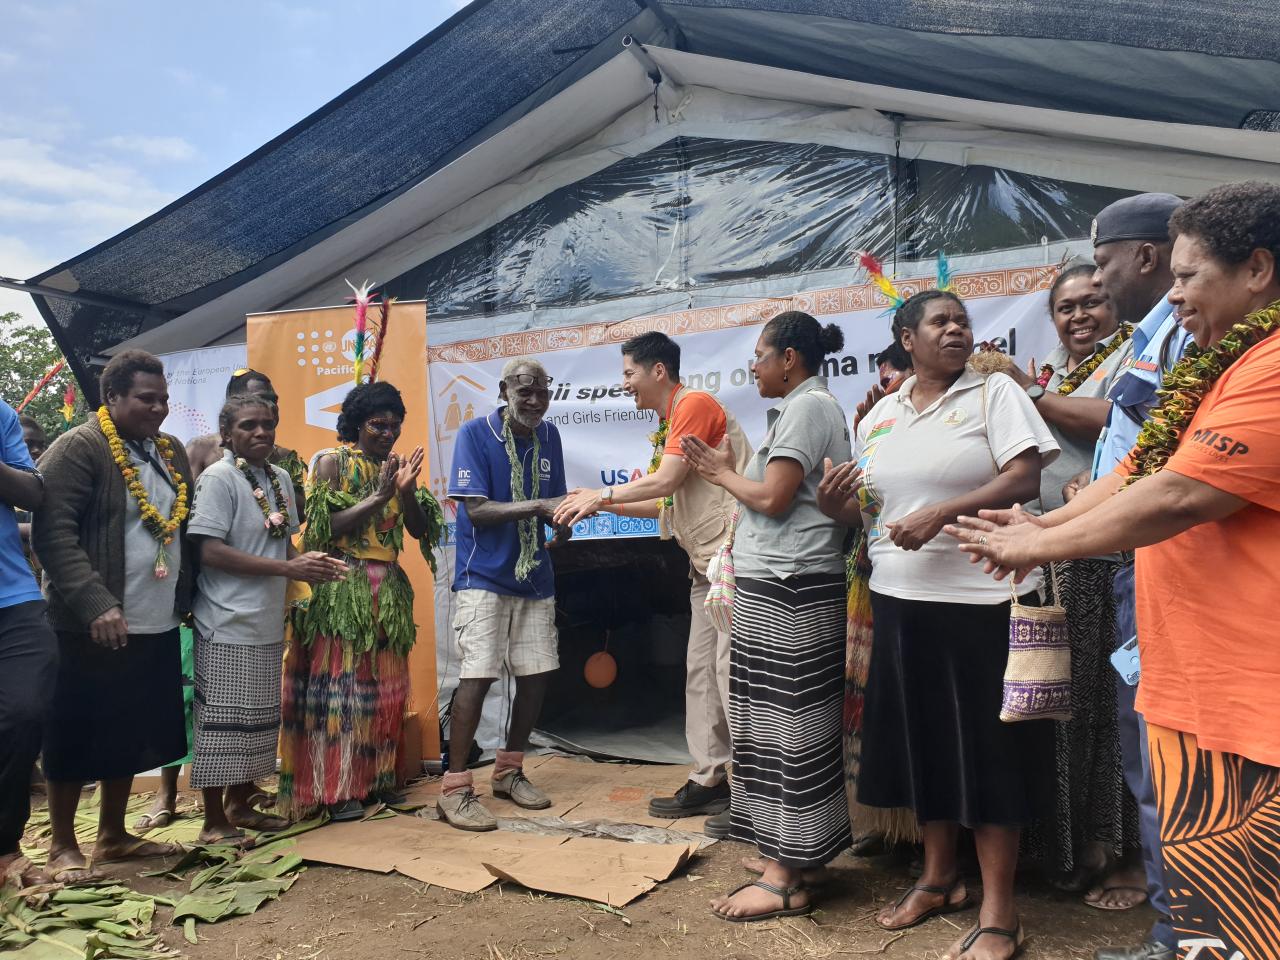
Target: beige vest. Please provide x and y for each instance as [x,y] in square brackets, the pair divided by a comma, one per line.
[698,518]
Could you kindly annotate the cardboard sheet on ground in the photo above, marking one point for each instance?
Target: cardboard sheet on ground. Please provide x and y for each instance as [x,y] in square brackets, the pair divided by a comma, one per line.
[606,871]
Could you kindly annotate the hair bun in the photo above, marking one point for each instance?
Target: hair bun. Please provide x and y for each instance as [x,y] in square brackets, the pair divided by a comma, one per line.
[831,338]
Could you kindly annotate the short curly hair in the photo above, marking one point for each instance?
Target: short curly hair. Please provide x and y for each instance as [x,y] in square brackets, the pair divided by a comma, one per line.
[117,376]
[242,401]
[1233,220]
[362,403]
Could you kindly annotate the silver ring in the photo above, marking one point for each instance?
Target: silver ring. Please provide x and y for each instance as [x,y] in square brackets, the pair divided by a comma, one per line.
[982,540]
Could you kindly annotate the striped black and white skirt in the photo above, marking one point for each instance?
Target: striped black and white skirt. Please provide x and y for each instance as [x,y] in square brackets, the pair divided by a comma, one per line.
[786,697]
[237,712]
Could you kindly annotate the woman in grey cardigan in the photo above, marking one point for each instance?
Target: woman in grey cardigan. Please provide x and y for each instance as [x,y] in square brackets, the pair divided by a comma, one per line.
[117,575]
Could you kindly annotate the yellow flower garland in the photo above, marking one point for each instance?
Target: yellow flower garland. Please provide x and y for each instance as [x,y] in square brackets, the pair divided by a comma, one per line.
[160,528]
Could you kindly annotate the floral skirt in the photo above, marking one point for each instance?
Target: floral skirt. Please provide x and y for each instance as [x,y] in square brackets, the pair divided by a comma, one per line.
[341,716]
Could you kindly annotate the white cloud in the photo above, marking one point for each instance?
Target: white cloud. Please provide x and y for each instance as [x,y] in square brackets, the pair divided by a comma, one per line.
[27,166]
[165,149]
[19,261]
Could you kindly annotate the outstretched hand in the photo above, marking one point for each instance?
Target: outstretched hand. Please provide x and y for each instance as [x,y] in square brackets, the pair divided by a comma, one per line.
[316,567]
[576,505]
[1005,541]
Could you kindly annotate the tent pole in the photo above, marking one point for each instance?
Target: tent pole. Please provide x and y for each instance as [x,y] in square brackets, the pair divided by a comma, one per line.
[667,91]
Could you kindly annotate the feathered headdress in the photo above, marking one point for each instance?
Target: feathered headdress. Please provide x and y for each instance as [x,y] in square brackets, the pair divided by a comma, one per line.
[875,270]
[944,273]
[68,407]
[362,299]
[384,317]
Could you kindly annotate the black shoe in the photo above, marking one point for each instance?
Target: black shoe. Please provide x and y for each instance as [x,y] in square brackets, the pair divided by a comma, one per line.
[1147,950]
[692,800]
[717,827]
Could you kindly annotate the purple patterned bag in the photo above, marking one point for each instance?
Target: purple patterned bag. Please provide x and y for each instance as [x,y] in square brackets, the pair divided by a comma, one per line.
[1037,678]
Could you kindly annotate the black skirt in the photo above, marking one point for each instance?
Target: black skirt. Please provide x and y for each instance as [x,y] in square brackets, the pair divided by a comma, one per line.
[115,712]
[933,740]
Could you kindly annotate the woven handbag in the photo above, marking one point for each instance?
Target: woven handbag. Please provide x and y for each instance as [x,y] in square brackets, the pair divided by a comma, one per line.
[1037,679]
[724,586]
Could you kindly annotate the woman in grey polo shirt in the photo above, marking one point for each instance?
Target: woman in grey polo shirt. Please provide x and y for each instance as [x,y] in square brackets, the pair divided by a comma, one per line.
[786,662]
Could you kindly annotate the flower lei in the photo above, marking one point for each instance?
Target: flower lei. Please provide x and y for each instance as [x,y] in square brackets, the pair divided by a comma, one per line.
[276,521]
[1085,369]
[161,528]
[659,440]
[528,560]
[1186,385]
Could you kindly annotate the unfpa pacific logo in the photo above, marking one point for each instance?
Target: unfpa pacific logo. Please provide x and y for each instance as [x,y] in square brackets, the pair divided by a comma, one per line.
[329,354]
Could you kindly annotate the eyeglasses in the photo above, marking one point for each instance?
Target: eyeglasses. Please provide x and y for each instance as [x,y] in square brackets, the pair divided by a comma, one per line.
[530,380]
[386,428]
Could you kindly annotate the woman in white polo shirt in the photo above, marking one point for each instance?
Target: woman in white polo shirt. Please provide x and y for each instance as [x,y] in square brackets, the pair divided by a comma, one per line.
[947,443]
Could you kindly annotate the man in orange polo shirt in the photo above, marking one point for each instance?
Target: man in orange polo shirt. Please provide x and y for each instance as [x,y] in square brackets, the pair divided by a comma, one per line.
[696,513]
[1204,515]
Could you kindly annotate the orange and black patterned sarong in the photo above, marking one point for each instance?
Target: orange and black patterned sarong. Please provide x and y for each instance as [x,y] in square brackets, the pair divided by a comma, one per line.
[1220,835]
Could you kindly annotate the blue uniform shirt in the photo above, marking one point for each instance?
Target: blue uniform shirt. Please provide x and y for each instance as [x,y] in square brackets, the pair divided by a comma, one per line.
[487,555]
[1158,343]
[17,584]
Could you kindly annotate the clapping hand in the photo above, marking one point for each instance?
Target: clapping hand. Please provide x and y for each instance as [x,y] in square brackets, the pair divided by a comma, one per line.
[838,486]
[874,396]
[407,471]
[713,464]
[387,478]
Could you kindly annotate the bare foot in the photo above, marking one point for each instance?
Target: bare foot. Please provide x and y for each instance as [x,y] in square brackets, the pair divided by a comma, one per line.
[810,878]
[754,901]
[17,870]
[916,905]
[130,847]
[70,866]
[1123,889]
[226,835]
[255,820]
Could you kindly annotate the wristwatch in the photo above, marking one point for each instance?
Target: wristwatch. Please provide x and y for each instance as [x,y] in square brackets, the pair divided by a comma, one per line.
[1035,392]
[606,494]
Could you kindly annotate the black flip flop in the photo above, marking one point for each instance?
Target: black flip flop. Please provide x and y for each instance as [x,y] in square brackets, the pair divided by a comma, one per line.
[1016,935]
[945,907]
[786,893]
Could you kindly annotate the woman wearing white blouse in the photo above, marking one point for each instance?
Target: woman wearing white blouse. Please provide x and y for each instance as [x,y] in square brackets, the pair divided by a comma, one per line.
[947,443]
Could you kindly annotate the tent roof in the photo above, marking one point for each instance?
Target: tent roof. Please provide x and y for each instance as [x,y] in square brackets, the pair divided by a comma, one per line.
[498,61]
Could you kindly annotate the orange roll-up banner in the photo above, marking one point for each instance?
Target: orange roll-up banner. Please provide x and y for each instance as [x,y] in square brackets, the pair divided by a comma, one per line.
[308,355]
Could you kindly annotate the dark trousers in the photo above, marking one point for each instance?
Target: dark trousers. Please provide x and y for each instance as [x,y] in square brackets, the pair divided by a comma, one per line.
[28,667]
[1137,766]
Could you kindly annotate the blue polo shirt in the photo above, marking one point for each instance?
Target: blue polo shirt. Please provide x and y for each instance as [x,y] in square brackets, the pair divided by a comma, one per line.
[17,584]
[487,555]
[1159,342]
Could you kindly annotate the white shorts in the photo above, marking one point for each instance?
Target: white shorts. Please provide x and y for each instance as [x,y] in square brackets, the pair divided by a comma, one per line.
[493,628]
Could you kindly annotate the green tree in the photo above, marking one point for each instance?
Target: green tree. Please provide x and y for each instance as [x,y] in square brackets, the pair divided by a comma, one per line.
[29,352]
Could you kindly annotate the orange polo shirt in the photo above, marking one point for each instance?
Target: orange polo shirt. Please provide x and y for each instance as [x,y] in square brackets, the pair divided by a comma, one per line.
[1209,598]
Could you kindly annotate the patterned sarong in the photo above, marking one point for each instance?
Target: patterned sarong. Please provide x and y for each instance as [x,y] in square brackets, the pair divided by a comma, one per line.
[1220,836]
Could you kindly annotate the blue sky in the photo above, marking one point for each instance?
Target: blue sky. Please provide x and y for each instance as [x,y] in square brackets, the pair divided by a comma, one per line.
[109,109]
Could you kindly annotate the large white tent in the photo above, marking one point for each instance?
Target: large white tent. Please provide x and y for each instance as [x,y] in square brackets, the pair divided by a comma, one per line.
[533,164]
